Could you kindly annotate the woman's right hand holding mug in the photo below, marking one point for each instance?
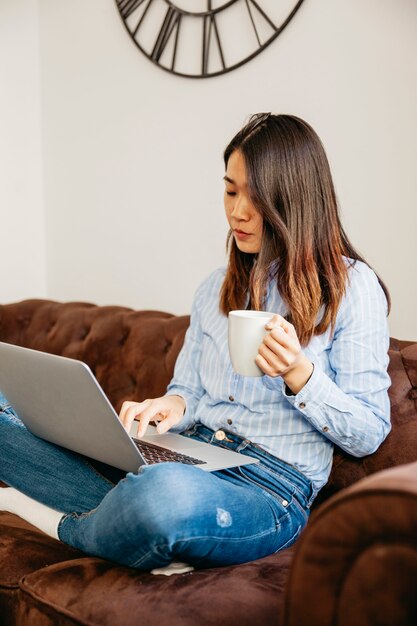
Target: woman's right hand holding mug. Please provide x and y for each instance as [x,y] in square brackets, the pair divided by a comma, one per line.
[167,410]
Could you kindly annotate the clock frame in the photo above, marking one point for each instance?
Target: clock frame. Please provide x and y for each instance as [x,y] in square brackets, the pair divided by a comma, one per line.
[164,43]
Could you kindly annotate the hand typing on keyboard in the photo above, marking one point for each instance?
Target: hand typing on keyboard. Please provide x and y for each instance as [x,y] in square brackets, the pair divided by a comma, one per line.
[167,411]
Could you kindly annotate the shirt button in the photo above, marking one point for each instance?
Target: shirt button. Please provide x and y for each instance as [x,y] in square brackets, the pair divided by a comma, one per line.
[302,405]
[229,421]
[220,435]
[231,398]
[325,429]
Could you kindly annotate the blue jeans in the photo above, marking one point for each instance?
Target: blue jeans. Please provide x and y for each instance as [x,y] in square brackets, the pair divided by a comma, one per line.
[164,512]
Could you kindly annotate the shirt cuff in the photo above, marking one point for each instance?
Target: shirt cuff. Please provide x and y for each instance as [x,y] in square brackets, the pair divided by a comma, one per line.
[311,398]
[188,417]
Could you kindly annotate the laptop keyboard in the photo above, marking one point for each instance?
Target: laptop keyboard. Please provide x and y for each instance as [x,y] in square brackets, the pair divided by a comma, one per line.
[155,454]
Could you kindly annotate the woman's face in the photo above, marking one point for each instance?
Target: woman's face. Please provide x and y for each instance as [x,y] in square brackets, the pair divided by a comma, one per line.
[243,218]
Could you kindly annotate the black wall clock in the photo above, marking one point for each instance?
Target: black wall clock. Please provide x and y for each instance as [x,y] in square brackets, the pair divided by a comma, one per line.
[203,38]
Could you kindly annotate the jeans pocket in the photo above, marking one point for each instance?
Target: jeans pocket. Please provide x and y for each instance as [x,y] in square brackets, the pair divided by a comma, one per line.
[279,492]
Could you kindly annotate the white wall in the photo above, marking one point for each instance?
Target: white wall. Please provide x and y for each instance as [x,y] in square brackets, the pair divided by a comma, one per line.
[132,155]
[22,224]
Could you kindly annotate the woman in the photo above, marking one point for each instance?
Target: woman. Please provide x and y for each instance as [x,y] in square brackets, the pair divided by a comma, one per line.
[325,382]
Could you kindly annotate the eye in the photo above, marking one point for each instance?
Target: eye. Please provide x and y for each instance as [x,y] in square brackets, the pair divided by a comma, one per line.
[231,193]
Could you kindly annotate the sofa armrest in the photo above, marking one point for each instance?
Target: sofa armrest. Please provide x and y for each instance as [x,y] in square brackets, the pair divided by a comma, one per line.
[356,562]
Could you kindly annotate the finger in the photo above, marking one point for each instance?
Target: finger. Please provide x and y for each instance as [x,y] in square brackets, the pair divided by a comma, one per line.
[264,365]
[276,361]
[133,411]
[290,329]
[125,405]
[276,320]
[170,420]
[278,337]
[147,415]
[159,417]
[134,414]
[280,322]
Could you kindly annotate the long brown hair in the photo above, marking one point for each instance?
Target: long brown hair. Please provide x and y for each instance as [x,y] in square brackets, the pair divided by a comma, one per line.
[304,247]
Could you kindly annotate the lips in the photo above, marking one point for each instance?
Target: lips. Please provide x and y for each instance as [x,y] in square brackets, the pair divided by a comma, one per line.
[241,235]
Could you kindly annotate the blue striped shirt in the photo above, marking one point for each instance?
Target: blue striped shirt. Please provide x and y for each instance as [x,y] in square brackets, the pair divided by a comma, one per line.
[345,402]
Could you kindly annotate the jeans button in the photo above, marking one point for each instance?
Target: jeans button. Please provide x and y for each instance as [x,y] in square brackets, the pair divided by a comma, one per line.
[220,435]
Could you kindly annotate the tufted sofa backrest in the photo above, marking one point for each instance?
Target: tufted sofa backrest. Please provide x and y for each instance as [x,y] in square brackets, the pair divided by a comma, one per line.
[133,354]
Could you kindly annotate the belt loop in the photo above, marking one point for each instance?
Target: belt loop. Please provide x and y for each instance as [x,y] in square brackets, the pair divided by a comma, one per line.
[191,430]
[245,443]
[312,496]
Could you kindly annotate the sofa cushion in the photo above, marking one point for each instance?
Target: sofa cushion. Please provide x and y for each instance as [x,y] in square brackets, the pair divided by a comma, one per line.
[91,591]
[25,549]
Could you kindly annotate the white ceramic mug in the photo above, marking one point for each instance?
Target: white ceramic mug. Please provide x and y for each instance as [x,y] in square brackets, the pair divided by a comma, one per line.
[246,333]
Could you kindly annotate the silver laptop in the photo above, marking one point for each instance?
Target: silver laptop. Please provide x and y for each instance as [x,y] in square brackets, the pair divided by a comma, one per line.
[60,400]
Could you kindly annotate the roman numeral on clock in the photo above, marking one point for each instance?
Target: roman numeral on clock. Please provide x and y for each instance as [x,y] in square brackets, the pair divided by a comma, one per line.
[171,24]
[251,5]
[210,27]
[127,7]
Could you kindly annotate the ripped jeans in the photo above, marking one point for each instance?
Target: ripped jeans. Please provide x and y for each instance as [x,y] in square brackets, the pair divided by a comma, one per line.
[166,512]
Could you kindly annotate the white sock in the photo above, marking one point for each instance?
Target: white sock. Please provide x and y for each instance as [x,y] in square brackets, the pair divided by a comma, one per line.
[173,568]
[40,515]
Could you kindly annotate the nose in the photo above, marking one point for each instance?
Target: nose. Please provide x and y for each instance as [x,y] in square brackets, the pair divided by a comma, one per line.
[241,208]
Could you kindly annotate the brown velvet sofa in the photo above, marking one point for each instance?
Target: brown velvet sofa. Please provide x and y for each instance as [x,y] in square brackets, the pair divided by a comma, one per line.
[355,564]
